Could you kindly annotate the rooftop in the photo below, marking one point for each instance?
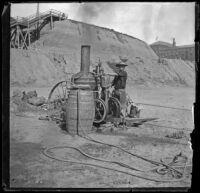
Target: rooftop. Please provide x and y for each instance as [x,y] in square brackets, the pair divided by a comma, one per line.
[186,46]
[161,43]
[170,45]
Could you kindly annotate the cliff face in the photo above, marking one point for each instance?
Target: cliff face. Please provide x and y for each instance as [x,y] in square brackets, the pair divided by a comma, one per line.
[57,55]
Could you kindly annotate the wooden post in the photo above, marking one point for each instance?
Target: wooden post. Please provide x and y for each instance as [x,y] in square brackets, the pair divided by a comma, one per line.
[51,23]
[12,43]
[38,20]
[24,39]
[17,36]
[24,42]
[11,37]
[29,38]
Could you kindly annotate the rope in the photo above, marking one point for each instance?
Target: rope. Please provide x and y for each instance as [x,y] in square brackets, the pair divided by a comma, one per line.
[181,175]
[98,159]
[135,155]
[100,166]
[177,108]
[161,165]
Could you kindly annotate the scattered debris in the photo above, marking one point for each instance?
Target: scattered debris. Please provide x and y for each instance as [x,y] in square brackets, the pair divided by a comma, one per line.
[106,127]
[176,135]
[44,107]
[37,101]
[29,95]
[22,101]
[132,110]
[44,118]
[17,93]
[17,97]
[175,161]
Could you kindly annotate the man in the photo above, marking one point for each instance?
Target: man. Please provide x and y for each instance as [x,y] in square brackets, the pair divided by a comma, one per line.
[119,84]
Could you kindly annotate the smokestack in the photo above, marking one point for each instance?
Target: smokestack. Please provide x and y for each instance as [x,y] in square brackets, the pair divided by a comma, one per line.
[174,42]
[85,59]
[85,77]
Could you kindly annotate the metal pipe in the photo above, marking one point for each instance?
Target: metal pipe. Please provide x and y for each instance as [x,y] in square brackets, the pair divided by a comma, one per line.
[85,59]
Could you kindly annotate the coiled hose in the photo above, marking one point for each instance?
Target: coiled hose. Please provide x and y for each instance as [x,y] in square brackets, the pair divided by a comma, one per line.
[159,168]
[159,164]
[45,152]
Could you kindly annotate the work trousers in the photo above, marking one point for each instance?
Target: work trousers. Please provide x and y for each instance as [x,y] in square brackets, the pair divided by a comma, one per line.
[120,94]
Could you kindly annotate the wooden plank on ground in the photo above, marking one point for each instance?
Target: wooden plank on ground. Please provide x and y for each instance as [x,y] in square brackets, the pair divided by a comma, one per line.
[137,121]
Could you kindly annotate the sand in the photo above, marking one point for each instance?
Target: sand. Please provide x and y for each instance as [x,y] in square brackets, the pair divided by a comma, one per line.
[56,56]
[29,136]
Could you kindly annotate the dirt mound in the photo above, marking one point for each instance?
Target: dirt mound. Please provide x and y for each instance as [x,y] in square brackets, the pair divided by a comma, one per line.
[32,68]
[57,56]
[171,72]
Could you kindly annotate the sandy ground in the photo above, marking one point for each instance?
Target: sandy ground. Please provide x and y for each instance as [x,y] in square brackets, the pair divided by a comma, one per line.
[30,136]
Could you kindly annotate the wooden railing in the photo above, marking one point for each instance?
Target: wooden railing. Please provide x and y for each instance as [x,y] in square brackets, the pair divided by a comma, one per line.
[31,19]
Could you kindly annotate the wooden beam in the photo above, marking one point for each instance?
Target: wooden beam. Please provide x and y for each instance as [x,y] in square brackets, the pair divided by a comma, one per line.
[23,39]
[12,43]
[17,36]
[51,23]
[38,20]
[13,36]
[29,38]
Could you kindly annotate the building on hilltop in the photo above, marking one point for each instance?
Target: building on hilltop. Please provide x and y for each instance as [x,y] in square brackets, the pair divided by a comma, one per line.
[171,51]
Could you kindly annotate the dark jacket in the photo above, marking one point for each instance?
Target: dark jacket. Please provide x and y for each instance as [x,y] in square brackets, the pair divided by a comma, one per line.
[119,81]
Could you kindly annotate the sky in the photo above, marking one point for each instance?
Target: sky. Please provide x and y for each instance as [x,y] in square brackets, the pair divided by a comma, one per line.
[149,22]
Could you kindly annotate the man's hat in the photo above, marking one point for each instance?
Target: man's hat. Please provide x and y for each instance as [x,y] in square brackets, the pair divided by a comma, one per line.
[121,64]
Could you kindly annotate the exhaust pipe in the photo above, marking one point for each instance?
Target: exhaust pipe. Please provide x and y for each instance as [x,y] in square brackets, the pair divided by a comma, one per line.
[85,77]
[85,59]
